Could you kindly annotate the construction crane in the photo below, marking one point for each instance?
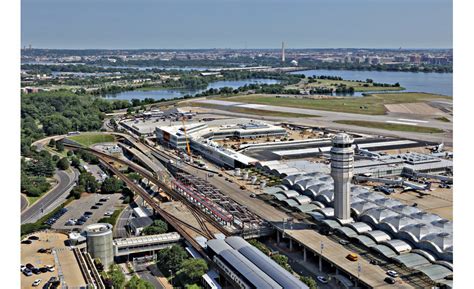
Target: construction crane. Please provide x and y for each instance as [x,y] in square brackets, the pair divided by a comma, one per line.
[188,148]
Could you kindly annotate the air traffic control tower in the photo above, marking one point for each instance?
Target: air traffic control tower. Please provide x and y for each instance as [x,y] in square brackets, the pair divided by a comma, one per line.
[342,166]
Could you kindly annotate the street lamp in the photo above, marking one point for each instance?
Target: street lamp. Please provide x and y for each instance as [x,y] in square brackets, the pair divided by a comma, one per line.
[321,258]
[171,273]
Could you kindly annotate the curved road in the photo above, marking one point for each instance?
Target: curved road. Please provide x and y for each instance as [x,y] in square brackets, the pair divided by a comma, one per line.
[24,202]
[49,201]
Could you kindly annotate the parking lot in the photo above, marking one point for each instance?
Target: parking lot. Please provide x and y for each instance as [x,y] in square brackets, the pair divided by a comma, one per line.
[64,262]
[89,203]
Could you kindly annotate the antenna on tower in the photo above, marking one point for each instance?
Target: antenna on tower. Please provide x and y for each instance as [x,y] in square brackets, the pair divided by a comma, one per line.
[283,51]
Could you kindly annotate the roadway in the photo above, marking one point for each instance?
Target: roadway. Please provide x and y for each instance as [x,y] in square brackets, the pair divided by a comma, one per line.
[53,198]
[119,230]
[24,203]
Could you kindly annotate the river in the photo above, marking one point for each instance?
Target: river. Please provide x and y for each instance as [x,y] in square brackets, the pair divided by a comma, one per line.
[178,93]
[438,83]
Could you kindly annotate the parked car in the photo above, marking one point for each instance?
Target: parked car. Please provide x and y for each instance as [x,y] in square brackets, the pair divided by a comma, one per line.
[88,213]
[43,269]
[253,195]
[27,272]
[22,267]
[33,238]
[29,266]
[389,280]
[94,208]
[80,222]
[26,242]
[50,268]
[36,282]
[42,250]
[36,271]
[242,187]
[392,273]
[108,213]
[98,204]
[322,279]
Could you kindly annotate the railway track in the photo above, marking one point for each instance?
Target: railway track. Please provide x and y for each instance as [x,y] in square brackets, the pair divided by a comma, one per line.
[165,188]
[178,225]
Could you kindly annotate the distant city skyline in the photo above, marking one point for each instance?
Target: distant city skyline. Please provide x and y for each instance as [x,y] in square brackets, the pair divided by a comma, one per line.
[237,24]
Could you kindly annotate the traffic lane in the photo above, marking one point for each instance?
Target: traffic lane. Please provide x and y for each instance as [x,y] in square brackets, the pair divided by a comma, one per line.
[65,182]
[119,229]
[24,203]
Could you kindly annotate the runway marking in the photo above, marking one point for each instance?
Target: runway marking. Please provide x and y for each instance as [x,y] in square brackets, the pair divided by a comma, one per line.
[401,122]
[413,120]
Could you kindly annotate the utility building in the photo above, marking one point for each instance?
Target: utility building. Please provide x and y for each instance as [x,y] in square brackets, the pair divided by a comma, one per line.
[342,166]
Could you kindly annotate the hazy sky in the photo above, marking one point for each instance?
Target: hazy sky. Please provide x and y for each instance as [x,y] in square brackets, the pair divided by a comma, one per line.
[237,23]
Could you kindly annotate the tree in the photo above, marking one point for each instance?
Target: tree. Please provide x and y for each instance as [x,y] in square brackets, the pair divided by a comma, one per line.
[70,153]
[63,164]
[309,281]
[111,185]
[171,258]
[52,143]
[88,182]
[75,162]
[59,146]
[116,276]
[158,227]
[192,286]
[137,283]
[191,270]
[76,192]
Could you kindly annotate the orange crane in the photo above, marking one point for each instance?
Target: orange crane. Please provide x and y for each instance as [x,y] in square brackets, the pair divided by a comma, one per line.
[188,148]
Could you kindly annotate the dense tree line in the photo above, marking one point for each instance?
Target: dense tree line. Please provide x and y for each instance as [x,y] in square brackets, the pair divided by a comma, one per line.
[54,113]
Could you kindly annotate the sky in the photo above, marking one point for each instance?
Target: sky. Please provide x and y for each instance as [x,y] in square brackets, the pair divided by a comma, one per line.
[187,24]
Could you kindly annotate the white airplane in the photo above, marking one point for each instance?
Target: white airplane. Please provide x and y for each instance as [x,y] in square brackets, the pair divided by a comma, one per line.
[437,148]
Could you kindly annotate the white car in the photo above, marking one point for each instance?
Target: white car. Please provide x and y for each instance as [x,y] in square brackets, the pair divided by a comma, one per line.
[50,268]
[392,273]
[22,267]
[322,279]
[36,282]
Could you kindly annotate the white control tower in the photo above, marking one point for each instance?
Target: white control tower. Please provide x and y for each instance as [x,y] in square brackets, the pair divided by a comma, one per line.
[342,166]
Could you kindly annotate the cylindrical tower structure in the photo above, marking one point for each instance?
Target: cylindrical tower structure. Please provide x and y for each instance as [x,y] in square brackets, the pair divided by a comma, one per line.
[342,166]
[100,243]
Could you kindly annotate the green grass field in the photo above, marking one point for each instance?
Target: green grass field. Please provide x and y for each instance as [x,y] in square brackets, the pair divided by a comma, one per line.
[88,139]
[391,126]
[358,86]
[252,111]
[372,104]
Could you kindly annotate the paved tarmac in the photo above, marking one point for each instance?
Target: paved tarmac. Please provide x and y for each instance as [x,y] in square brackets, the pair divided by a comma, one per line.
[52,199]
[327,118]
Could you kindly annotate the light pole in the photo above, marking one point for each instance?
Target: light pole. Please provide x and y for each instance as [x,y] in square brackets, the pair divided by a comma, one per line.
[171,279]
[321,258]
[358,273]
